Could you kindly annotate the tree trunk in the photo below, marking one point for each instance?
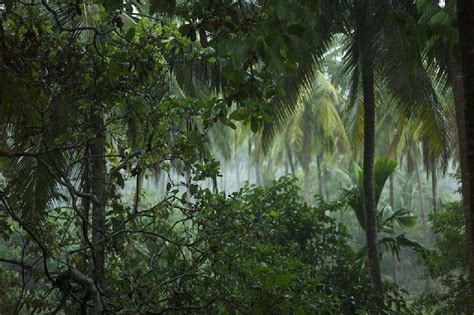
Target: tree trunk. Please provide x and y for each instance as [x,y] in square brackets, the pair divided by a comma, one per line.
[402,269]
[426,233]
[369,186]
[392,193]
[237,173]
[392,205]
[307,181]
[258,172]
[466,35]
[421,199]
[394,269]
[224,179]
[325,189]
[138,189]
[86,205]
[249,169]
[434,184]
[320,175]
[97,149]
[306,163]
[188,185]
[290,159]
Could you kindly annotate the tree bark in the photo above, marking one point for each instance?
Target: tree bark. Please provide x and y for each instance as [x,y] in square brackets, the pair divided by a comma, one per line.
[392,205]
[307,181]
[306,163]
[466,34]
[392,193]
[421,199]
[369,186]
[258,172]
[434,184]
[97,149]
[249,169]
[426,233]
[325,189]
[138,189]
[224,179]
[237,173]
[258,162]
[320,175]
[86,205]
[394,269]
[290,159]
[87,283]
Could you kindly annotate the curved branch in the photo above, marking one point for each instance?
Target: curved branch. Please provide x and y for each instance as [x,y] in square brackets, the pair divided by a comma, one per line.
[74,275]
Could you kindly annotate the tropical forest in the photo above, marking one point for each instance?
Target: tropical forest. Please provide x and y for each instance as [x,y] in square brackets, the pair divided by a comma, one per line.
[236,157]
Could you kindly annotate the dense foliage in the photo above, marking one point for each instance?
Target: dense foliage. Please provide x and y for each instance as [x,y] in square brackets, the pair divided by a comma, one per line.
[236,157]
[259,251]
[448,262]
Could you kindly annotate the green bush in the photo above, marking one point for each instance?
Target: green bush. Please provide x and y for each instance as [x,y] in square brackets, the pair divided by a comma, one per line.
[447,263]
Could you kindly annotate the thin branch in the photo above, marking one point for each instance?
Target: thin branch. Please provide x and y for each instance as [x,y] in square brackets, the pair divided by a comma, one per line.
[72,274]
[17,263]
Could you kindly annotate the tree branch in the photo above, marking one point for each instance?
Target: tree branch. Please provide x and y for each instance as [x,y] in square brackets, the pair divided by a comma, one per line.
[74,275]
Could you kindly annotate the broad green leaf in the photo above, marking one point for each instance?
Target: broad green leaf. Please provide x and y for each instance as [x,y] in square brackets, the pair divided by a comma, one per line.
[239,115]
[130,33]
[227,122]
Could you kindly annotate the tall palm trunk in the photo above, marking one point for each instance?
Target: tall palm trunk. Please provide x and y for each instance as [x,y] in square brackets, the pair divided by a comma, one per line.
[237,173]
[421,200]
[369,186]
[434,184]
[326,190]
[320,175]
[426,233]
[466,129]
[224,180]
[249,168]
[306,161]
[98,167]
[306,153]
[290,159]
[307,181]
[392,205]
[258,172]
[392,192]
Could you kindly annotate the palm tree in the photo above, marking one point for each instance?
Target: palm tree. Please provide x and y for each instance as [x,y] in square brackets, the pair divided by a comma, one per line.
[316,126]
[387,219]
[459,71]
[466,130]
[361,22]
[375,34]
